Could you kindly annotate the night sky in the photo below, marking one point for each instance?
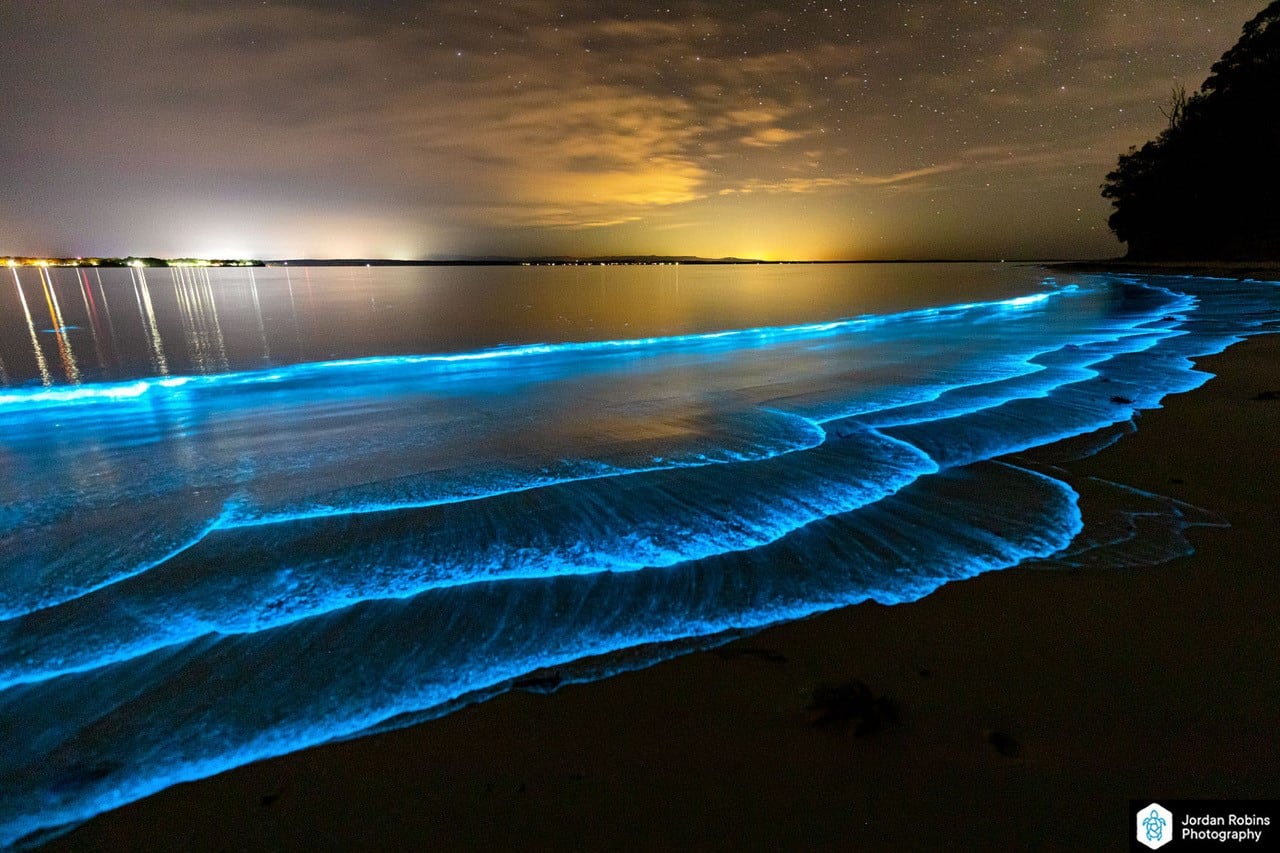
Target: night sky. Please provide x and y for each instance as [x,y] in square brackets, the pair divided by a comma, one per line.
[415,129]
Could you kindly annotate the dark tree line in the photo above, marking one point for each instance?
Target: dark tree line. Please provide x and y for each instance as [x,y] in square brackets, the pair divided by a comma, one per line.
[1208,187]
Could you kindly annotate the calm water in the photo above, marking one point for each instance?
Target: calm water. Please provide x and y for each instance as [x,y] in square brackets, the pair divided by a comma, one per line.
[243,512]
[68,326]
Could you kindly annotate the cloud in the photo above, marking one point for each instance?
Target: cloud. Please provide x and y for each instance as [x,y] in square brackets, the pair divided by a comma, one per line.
[820,183]
[750,117]
[486,119]
[768,137]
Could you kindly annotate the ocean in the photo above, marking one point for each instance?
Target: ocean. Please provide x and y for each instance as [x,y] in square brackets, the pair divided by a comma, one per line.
[246,511]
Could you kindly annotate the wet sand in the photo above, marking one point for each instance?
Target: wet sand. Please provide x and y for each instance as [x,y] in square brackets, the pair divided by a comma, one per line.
[1033,705]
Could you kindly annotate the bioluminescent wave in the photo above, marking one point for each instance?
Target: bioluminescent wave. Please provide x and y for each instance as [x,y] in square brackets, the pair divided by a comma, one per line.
[203,570]
[297,442]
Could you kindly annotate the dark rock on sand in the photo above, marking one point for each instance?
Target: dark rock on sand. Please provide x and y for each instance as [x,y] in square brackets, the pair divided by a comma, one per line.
[1004,743]
[852,701]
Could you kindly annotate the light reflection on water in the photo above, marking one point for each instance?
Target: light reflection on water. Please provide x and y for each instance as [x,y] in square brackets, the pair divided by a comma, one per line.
[113,324]
[41,364]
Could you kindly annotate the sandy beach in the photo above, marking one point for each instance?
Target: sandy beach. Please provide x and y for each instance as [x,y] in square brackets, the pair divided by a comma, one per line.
[1031,704]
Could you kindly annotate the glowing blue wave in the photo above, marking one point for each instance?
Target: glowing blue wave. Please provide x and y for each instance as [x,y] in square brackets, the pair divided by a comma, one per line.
[123,391]
[581,528]
[152,616]
[785,433]
[49,574]
[465,653]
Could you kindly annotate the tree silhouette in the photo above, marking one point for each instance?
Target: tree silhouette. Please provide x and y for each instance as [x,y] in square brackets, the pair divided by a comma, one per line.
[1208,186]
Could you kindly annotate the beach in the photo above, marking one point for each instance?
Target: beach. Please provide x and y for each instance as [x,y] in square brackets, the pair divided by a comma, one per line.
[559,426]
[1031,706]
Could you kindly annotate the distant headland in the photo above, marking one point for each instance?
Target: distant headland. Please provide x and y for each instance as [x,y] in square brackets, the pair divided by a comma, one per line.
[1206,187]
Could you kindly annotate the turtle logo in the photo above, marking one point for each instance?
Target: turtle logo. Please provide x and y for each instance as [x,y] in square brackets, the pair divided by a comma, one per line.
[1154,826]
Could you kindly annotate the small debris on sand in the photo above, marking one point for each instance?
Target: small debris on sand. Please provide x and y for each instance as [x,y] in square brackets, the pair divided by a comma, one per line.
[754,652]
[538,682]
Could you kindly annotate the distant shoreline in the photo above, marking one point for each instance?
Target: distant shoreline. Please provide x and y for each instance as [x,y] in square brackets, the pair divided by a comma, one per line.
[1264,270]
[639,260]
[546,260]
[1259,269]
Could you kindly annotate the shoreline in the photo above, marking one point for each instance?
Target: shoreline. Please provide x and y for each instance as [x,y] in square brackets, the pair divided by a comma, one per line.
[1034,704]
[1263,270]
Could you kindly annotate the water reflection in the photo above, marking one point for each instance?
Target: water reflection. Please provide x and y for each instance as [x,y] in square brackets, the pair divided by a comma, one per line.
[68,357]
[206,345]
[91,310]
[257,313]
[41,364]
[145,308]
[200,321]
[106,316]
[293,309]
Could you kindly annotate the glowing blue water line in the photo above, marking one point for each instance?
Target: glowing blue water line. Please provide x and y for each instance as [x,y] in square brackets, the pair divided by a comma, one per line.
[1052,379]
[118,392]
[238,515]
[7,615]
[1181,366]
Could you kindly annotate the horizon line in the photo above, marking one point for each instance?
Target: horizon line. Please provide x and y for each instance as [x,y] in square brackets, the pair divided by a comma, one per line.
[494,260]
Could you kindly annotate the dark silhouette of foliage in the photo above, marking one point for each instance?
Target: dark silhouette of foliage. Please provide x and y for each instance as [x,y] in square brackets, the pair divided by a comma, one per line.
[1208,187]
[1177,107]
